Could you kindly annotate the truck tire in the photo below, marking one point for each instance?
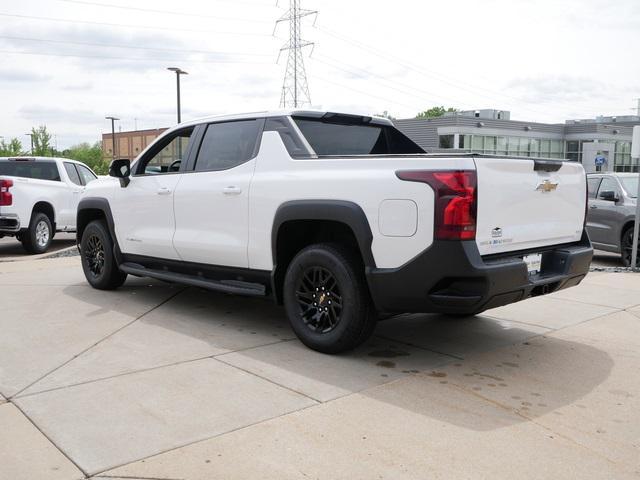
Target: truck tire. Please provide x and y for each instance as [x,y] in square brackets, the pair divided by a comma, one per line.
[98,262]
[37,238]
[327,299]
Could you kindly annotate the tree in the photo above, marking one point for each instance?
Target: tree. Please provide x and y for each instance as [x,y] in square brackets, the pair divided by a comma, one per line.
[11,149]
[41,141]
[90,155]
[435,112]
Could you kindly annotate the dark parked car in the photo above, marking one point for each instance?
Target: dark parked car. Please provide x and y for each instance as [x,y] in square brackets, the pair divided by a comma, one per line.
[612,207]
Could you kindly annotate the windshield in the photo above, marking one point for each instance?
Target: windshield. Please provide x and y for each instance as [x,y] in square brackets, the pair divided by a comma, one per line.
[630,185]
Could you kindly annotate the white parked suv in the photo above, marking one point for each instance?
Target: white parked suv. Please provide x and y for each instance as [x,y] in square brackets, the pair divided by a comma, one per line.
[339,217]
[39,197]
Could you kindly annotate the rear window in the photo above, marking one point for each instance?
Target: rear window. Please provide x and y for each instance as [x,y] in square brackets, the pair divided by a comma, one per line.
[30,169]
[332,138]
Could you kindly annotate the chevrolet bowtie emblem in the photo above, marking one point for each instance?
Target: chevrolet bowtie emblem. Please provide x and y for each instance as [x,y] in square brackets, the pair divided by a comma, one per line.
[547,186]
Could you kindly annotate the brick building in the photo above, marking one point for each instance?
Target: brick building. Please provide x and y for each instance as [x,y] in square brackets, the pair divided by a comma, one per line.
[129,144]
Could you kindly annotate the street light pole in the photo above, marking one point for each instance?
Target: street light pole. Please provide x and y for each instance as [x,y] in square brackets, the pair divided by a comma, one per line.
[113,136]
[178,72]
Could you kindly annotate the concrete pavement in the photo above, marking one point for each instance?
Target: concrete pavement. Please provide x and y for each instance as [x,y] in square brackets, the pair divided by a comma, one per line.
[11,249]
[166,382]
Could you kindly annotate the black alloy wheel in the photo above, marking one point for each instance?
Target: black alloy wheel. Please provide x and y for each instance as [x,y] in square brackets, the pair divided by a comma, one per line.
[327,299]
[627,247]
[319,299]
[94,255]
[98,260]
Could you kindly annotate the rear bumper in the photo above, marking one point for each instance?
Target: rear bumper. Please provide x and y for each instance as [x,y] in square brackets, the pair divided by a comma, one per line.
[452,277]
[9,224]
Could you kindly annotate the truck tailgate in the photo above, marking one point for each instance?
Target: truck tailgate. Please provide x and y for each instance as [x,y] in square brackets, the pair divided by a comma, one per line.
[523,204]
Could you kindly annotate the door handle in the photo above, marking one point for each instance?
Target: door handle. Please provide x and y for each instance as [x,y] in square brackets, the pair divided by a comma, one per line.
[232,190]
[163,191]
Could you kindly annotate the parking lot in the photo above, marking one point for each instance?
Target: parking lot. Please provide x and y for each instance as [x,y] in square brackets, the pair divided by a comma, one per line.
[166,382]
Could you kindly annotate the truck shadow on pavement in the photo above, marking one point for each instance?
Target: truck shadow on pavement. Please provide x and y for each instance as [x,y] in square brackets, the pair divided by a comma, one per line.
[478,373]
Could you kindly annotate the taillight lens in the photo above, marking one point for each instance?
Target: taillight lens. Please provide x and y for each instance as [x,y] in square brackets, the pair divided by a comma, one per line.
[455,201]
[6,198]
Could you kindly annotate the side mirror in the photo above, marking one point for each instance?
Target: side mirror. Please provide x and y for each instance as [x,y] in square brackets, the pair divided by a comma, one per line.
[121,169]
[609,195]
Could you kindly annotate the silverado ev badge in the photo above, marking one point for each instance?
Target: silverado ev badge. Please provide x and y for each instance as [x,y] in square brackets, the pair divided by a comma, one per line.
[546,186]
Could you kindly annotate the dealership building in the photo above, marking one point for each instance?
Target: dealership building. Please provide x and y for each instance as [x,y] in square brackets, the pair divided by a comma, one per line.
[600,144]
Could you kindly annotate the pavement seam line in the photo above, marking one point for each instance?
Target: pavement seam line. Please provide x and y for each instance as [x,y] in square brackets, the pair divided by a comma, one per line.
[499,319]
[96,343]
[178,447]
[384,337]
[593,304]
[141,370]
[129,477]
[55,445]
[318,402]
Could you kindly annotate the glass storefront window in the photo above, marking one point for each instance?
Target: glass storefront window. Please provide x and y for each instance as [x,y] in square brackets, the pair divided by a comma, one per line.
[477,144]
[523,149]
[501,148]
[445,141]
[513,145]
[534,147]
[490,145]
[464,142]
[545,148]
[573,146]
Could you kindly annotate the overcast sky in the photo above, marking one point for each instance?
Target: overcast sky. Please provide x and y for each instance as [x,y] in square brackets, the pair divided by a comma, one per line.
[68,63]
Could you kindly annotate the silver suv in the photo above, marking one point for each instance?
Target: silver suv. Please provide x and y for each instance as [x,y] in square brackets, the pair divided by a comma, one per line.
[612,204]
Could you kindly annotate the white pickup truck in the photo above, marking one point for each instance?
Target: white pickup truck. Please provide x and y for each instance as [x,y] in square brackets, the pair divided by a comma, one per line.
[39,197]
[339,217]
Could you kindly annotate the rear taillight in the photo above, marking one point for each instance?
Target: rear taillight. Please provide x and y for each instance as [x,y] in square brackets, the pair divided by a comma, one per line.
[6,198]
[455,201]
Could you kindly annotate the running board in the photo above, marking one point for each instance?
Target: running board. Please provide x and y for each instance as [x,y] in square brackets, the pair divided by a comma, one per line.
[235,287]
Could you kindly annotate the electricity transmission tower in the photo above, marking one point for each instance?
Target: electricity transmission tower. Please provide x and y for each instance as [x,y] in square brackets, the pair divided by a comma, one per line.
[295,89]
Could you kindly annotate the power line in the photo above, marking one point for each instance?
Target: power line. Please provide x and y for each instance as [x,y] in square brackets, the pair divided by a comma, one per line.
[166,12]
[362,92]
[427,73]
[384,82]
[122,25]
[137,59]
[109,45]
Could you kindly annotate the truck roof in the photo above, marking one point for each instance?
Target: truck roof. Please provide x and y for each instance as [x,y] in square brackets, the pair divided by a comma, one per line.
[30,158]
[283,113]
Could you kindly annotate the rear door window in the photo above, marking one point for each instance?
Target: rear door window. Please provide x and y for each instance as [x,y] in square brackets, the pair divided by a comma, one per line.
[336,138]
[73,173]
[228,144]
[86,175]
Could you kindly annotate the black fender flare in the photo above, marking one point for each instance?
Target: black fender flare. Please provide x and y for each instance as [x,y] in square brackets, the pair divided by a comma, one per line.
[101,204]
[348,213]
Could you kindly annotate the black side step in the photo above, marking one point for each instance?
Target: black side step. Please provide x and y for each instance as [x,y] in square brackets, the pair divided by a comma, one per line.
[226,286]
